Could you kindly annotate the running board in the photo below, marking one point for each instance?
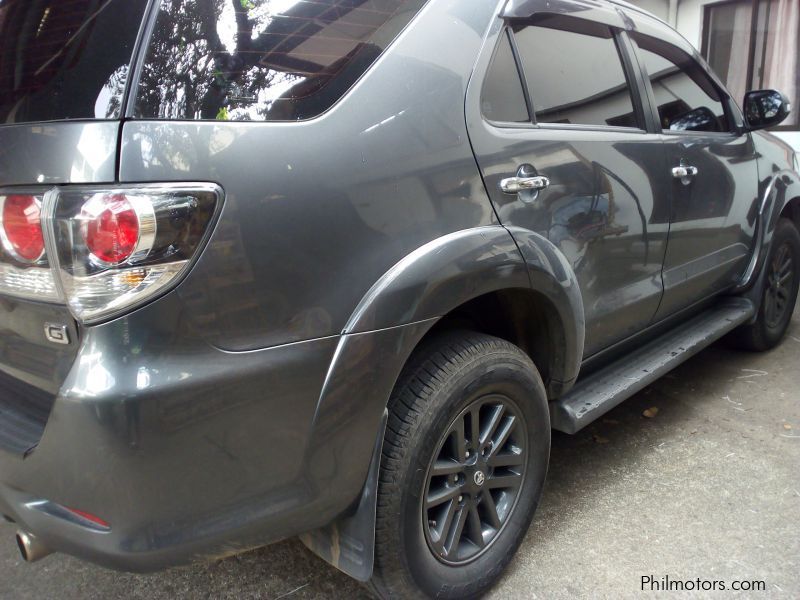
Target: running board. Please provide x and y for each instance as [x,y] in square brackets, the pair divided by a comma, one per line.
[601,391]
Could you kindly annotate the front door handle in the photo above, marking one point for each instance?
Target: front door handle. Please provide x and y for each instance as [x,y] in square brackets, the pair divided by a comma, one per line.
[683,172]
[515,185]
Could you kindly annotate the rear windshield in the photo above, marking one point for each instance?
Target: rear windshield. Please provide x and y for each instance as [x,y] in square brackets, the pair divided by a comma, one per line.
[65,59]
[263,60]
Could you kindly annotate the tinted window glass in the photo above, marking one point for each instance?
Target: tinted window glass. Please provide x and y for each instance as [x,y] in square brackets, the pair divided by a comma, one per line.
[574,73]
[503,98]
[262,59]
[686,97]
[65,59]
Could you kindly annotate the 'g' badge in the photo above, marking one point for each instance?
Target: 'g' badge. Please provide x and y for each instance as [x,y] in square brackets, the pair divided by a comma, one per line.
[56,333]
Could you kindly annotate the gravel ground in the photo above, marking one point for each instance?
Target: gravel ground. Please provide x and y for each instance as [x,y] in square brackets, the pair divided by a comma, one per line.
[708,487]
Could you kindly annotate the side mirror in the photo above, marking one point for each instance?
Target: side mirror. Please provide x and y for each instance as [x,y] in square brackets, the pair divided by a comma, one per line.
[765,108]
[697,119]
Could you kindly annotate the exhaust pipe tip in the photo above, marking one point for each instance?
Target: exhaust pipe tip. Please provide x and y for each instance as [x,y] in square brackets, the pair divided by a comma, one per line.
[30,547]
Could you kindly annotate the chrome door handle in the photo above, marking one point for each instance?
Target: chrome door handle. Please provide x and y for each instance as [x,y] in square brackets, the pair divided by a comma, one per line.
[515,185]
[684,171]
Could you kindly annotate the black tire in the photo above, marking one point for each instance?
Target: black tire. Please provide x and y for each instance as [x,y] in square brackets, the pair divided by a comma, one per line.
[459,377]
[779,292]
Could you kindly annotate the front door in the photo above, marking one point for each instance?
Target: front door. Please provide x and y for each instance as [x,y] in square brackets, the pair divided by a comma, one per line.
[714,178]
[602,197]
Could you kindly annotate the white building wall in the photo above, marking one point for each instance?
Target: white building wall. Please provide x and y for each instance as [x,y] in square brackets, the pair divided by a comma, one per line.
[690,15]
[690,20]
[659,8]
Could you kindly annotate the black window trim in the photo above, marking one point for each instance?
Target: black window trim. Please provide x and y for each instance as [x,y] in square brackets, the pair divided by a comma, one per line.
[139,55]
[639,83]
[529,124]
[632,77]
[521,72]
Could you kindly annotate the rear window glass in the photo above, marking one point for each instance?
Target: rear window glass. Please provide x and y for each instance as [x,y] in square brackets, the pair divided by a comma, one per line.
[65,59]
[503,98]
[266,60]
[574,73]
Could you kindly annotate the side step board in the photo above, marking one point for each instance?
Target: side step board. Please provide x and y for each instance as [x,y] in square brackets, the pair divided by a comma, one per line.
[601,391]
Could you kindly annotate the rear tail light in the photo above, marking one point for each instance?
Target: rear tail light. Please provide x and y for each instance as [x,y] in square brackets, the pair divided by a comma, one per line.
[111,249]
[22,227]
[24,269]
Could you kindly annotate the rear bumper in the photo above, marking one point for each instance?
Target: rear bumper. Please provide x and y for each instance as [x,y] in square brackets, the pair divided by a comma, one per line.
[187,451]
[190,452]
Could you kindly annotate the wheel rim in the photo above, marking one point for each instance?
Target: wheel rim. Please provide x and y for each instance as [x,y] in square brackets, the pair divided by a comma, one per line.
[779,286]
[474,479]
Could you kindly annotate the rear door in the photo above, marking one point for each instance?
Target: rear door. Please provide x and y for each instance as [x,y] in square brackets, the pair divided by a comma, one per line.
[714,182]
[578,120]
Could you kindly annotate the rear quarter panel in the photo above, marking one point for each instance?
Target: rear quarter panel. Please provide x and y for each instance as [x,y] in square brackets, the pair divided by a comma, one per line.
[316,211]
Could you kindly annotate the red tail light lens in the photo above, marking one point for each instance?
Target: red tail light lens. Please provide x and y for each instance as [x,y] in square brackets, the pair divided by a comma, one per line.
[110,227]
[22,227]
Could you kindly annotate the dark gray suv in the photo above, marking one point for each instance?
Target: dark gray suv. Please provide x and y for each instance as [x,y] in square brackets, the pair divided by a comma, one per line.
[335,268]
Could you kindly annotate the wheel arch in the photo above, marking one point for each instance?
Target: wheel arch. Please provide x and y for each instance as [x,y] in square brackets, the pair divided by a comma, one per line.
[785,189]
[476,278]
[780,197]
[791,210]
[525,317]
[513,283]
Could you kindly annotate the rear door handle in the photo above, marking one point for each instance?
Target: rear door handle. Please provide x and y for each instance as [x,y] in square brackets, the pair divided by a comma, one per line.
[515,185]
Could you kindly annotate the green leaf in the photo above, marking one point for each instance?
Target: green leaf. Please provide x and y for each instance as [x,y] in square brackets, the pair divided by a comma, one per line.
[222,115]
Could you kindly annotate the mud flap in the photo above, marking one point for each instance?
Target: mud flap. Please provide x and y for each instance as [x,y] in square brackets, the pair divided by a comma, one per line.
[755,293]
[349,542]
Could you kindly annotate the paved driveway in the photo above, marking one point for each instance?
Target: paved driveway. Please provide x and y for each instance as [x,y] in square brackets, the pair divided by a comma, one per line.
[707,488]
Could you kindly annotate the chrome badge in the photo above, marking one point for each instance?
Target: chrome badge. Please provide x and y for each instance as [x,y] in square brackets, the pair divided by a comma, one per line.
[56,333]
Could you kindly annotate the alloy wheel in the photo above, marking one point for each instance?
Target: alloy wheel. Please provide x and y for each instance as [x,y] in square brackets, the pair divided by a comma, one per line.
[779,286]
[474,479]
